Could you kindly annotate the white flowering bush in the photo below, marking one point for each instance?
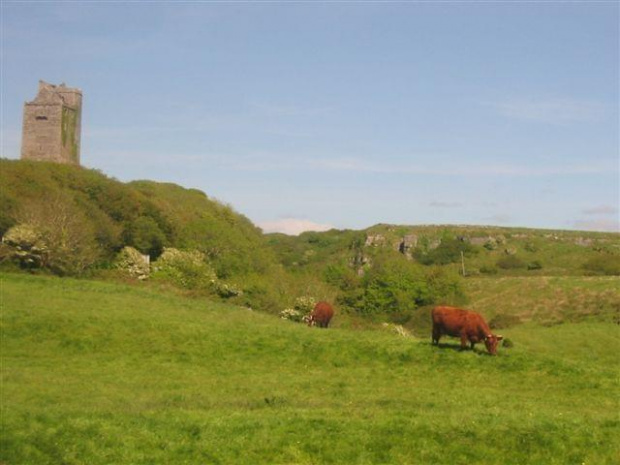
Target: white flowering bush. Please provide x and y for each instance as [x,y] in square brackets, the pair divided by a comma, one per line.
[226,290]
[53,233]
[301,310]
[305,304]
[175,258]
[24,244]
[191,270]
[187,269]
[292,315]
[133,263]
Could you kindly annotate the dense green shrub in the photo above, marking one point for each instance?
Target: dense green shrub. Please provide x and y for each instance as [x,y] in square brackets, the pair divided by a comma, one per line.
[444,286]
[394,285]
[187,269]
[145,235]
[449,251]
[311,247]
[8,206]
[231,243]
[341,276]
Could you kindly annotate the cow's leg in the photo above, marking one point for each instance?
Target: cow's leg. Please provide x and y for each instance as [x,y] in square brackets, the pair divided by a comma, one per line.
[472,344]
[463,341]
[436,335]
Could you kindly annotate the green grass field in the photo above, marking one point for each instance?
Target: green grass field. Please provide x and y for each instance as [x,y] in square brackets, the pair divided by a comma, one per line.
[101,373]
[547,300]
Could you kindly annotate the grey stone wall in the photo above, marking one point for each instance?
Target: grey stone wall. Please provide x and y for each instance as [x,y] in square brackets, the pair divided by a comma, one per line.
[52,125]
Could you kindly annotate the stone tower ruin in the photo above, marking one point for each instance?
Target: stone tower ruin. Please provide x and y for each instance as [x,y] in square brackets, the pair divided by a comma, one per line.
[52,125]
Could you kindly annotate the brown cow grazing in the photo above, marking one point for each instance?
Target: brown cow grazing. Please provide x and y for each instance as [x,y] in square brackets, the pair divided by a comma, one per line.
[469,326]
[321,315]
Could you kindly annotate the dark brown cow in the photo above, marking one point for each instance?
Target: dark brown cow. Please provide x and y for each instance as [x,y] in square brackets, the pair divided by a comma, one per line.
[469,326]
[321,315]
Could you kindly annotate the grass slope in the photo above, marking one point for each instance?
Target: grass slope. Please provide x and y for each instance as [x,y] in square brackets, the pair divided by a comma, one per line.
[98,373]
[547,300]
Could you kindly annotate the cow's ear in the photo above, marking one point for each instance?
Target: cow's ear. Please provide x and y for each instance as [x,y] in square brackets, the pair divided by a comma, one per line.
[499,338]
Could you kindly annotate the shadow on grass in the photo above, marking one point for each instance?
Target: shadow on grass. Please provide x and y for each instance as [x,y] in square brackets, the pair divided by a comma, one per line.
[457,348]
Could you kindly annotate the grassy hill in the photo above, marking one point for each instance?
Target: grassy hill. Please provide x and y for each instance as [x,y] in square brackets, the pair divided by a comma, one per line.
[107,215]
[99,373]
[546,300]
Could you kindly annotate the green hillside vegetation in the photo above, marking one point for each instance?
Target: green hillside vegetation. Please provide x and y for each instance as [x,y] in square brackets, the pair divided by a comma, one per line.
[99,373]
[227,238]
[486,250]
[372,268]
[72,221]
[144,214]
[368,281]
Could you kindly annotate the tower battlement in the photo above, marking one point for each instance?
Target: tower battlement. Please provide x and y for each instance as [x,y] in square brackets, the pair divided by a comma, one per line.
[52,125]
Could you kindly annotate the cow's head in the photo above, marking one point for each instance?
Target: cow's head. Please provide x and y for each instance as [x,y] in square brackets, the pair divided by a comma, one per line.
[309,319]
[491,341]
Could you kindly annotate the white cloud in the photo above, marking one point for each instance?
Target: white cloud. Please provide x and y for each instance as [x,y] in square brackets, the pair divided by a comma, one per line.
[292,226]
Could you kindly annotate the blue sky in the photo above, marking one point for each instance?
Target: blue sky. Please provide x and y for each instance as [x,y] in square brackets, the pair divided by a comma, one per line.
[340,114]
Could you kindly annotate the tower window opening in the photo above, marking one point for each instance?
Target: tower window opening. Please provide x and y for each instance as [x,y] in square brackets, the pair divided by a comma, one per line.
[41,118]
